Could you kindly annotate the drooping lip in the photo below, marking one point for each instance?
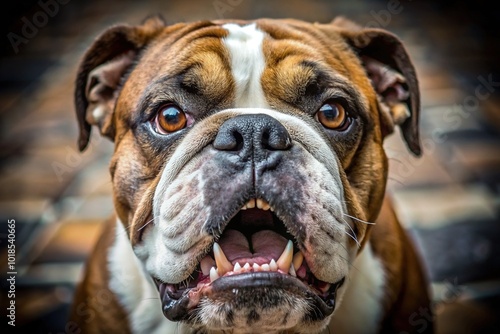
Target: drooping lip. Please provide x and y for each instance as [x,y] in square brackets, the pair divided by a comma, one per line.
[228,287]
[218,277]
[274,280]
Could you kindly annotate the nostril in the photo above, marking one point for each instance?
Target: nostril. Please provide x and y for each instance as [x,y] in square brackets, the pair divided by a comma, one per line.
[229,141]
[276,139]
[265,140]
[239,141]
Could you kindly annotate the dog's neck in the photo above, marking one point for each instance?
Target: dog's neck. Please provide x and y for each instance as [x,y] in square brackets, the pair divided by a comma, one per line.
[139,297]
[363,296]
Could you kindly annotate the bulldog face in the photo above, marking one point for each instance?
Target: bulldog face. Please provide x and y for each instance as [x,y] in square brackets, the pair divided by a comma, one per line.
[248,160]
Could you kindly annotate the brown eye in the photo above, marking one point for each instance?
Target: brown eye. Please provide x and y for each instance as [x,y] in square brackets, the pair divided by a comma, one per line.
[170,119]
[333,116]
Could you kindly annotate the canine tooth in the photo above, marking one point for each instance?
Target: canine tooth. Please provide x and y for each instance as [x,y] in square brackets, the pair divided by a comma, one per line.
[256,267]
[298,258]
[292,271]
[237,267]
[265,267]
[206,263]
[273,266]
[247,267]
[286,257]
[223,265]
[213,274]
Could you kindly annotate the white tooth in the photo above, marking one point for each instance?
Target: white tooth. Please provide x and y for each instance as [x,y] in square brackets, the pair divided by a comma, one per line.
[223,265]
[247,267]
[206,263]
[237,267]
[244,207]
[286,257]
[298,258]
[213,274]
[251,203]
[273,266]
[265,267]
[263,205]
[292,271]
[256,267]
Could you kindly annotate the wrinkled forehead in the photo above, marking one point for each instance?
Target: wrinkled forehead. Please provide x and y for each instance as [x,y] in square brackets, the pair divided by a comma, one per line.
[250,61]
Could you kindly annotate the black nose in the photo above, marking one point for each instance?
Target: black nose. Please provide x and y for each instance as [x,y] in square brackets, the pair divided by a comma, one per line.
[253,135]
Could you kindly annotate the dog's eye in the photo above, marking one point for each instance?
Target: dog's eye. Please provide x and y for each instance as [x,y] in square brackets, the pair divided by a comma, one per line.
[333,116]
[170,118]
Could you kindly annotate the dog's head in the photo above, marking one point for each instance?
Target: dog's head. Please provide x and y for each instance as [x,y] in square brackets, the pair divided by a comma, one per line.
[248,158]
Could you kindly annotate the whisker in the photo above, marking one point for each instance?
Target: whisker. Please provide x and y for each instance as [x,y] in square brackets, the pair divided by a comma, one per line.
[346,260]
[353,236]
[344,247]
[126,228]
[143,226]
[360,220]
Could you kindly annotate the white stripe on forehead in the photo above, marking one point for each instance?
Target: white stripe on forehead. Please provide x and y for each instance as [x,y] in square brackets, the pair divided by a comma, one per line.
[247,64]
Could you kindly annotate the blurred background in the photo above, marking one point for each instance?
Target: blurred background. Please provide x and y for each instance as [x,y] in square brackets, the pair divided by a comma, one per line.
[449,199]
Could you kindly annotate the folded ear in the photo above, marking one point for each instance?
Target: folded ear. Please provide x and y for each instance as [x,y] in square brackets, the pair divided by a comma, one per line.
[392,74]
[102,71]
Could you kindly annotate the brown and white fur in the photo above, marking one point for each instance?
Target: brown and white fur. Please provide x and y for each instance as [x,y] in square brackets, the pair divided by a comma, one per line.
[176,193]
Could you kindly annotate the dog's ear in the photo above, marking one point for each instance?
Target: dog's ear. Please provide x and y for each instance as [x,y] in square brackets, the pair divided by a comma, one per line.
[392,74]
[102,70]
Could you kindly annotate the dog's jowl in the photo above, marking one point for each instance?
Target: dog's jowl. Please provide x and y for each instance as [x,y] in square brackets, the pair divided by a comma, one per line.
[249,179]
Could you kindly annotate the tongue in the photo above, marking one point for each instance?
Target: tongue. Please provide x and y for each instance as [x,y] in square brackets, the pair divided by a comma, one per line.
[265,245]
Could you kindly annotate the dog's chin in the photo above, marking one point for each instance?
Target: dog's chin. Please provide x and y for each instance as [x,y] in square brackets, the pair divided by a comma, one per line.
[266,300]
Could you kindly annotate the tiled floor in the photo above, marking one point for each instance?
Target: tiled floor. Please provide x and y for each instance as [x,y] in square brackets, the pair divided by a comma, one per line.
[449,199]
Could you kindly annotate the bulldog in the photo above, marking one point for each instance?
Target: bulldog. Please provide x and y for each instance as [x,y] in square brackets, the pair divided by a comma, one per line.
[249,179]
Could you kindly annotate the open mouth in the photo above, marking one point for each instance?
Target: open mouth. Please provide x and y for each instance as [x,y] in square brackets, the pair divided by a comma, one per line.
[254,251]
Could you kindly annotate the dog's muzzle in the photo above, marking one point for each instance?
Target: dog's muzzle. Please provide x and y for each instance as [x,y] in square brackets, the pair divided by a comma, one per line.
[256,260]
